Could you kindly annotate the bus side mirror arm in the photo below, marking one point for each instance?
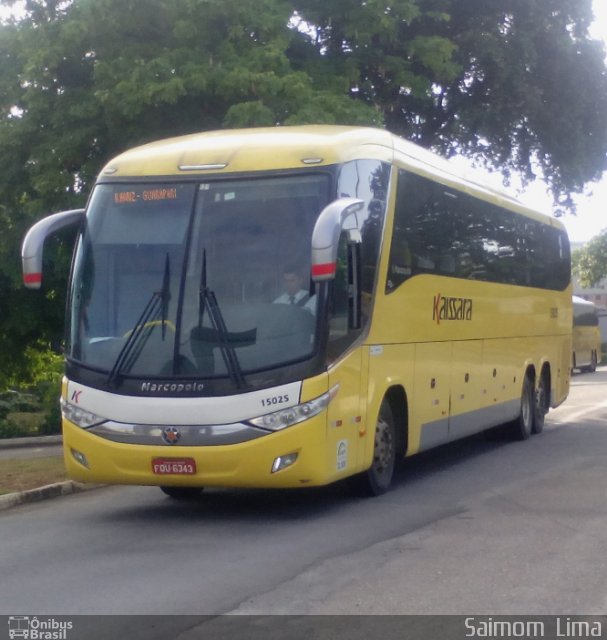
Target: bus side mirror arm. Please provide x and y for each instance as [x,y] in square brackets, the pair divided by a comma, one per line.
[33,243]
[325,237]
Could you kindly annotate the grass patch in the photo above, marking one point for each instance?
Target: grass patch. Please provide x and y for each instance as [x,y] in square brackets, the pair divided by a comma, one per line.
[21,474]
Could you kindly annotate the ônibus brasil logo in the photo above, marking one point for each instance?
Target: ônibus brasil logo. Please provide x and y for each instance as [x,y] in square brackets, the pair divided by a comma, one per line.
[448,308]
[35,628]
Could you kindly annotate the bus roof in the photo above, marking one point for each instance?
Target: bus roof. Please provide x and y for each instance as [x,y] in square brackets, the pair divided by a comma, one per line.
[237,150]
[275,148]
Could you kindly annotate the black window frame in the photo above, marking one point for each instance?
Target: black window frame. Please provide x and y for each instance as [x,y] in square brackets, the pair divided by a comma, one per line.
[443,231]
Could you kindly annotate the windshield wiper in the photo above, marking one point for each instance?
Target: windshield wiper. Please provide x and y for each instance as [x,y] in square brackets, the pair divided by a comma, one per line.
[157,305]
[218,333]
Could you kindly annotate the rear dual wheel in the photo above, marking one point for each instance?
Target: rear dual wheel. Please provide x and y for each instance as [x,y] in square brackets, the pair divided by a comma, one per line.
[534,406]
[541,404]
[521,428]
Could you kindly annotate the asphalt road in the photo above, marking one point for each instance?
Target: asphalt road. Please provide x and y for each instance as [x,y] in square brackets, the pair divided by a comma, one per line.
[482,526]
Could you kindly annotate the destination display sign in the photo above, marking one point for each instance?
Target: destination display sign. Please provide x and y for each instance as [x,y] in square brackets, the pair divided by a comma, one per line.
[156,194]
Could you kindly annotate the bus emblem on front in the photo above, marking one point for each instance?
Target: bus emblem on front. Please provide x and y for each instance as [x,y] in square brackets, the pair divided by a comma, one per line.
[171,435]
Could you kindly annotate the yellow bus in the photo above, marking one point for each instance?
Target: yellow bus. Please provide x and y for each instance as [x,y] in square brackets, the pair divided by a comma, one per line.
[586,350]
[289,307]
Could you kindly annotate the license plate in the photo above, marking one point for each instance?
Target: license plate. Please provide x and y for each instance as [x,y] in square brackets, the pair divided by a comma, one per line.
[174,466]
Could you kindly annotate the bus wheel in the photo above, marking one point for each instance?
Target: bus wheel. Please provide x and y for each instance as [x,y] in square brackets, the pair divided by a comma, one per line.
[540,408]
[182,493]
[593,362]
[521,427]
[377,479]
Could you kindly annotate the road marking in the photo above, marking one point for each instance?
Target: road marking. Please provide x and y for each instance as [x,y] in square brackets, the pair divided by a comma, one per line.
[580,413]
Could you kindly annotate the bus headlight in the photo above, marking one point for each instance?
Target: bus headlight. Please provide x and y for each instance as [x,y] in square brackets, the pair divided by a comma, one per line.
[283,418]
[78,416]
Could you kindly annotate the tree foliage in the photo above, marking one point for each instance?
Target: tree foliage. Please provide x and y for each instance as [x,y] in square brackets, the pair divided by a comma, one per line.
[589,263]
[516,85]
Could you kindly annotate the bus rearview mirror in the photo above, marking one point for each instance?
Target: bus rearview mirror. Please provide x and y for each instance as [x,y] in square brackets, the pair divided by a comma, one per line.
[337,216]
[33,243]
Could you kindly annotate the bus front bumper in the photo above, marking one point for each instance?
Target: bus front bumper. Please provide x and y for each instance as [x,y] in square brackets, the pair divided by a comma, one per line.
[293,457]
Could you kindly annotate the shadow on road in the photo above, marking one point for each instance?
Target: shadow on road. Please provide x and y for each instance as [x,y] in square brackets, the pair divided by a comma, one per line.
[290,505]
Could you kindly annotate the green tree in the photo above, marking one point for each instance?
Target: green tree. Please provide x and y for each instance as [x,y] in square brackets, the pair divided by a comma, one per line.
[517,85]
[589,263]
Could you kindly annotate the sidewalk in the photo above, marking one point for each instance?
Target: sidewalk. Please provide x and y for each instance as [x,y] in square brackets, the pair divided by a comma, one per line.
[35,448]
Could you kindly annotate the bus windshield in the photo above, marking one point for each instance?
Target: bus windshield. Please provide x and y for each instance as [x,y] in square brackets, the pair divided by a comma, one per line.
[196,279]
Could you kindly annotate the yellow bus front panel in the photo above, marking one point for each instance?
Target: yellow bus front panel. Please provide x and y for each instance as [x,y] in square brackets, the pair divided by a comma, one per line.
[247,464]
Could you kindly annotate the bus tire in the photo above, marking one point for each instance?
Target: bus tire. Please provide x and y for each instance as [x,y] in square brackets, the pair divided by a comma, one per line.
[377,479]
[540,408]
[590,368]
[182,493]
[593,362]
[521,427]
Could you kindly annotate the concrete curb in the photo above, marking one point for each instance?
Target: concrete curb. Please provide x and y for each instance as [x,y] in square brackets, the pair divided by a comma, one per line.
[9,500]
[20,443]
[56,490]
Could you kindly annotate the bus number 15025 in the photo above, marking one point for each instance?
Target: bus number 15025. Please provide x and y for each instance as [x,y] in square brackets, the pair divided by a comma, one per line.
[274,400]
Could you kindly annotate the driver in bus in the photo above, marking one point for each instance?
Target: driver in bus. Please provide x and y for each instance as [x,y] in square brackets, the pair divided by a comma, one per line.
[294,292]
